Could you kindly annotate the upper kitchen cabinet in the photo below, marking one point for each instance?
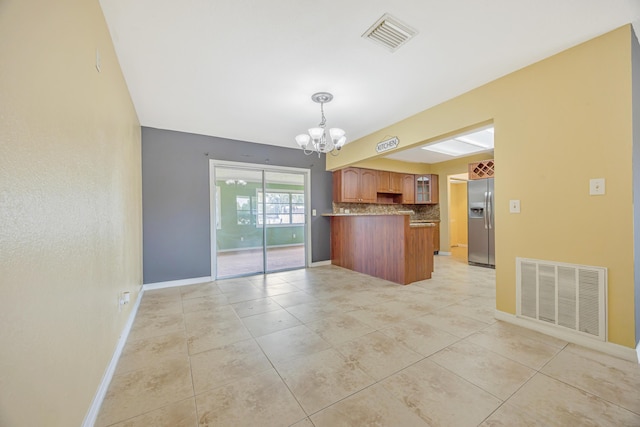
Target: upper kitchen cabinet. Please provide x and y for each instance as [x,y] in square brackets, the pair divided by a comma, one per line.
[408,189]
[355,185]
[426,189]
[389,182]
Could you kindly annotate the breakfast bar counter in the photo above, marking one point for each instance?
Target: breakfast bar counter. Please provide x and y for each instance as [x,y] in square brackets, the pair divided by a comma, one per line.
[387,246]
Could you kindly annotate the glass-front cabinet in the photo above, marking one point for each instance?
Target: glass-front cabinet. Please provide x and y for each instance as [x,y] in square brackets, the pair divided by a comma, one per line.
[426,189]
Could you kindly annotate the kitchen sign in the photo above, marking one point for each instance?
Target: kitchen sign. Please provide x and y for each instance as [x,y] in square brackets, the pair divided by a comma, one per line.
[387,145]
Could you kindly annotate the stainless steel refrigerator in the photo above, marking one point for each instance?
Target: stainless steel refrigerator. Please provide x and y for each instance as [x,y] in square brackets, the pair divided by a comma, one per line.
[481,222]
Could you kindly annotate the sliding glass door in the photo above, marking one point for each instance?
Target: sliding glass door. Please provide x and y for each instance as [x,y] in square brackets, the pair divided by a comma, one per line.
[259,219]
[284,207]
[239,240]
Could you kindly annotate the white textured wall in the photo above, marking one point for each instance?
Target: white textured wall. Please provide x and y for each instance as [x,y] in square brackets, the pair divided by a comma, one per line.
[70,209]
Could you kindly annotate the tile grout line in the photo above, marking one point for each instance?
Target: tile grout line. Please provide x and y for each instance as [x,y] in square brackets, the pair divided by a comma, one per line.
[193,386]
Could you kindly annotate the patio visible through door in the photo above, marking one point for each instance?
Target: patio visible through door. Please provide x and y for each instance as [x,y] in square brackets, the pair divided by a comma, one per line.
[260,219]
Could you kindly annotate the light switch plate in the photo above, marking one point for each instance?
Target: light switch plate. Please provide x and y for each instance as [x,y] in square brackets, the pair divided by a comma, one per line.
[313,212]
[514,206]
[596,187]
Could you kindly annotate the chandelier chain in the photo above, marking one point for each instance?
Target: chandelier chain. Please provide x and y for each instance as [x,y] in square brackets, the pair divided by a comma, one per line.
[323,122]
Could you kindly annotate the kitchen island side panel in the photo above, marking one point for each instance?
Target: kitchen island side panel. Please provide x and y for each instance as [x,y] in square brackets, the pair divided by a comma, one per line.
[383,246]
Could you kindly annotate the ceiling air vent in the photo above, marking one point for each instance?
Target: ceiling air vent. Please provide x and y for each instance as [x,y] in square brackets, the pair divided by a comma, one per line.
[389,32]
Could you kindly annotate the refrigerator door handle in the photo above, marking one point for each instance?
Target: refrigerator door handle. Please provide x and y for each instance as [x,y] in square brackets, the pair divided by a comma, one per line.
[484,212]
[490,210]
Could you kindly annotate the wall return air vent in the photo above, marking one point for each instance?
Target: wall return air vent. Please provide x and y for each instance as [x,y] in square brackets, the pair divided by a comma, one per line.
[389,32]
[568,296]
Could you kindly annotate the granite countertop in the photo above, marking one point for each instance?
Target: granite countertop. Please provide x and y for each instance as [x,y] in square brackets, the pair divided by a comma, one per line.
[364,214]
[422,224]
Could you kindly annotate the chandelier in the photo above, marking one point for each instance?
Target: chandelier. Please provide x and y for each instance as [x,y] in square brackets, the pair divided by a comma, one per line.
[316,140]
[236,182]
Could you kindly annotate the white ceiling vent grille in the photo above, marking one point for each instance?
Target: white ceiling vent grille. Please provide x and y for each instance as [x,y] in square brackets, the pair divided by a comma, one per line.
[566,295]
[389,32]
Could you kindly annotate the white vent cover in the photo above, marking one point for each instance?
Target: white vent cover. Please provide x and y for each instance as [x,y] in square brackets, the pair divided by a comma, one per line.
[389,32]
[566,295]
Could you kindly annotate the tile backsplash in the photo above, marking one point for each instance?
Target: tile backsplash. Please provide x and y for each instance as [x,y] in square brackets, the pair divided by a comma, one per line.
[421,212]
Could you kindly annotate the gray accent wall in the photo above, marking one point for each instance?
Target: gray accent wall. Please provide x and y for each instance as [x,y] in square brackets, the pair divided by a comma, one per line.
[635,108]
[175,198]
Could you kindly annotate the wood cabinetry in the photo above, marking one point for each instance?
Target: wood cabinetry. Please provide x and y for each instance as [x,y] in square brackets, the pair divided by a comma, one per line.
[482,170]
[355,185]
[389,182]
[384,246]
[426,189]
[408,189]
[436,238]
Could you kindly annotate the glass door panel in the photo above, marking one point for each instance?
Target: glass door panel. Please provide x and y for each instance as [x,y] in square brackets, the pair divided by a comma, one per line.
[284,219]
[239,232]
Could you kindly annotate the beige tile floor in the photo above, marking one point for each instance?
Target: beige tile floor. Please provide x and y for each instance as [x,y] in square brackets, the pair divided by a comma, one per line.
[330,347]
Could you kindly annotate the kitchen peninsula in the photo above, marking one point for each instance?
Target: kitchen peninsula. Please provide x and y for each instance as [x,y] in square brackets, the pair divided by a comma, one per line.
[387,246]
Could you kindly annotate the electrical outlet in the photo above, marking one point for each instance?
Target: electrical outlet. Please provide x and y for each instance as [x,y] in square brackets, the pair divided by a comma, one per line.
[294,235]
[124,298]
[514,206]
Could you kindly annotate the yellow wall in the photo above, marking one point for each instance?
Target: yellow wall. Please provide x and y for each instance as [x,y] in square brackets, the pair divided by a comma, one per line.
[558,123]
[70,209]
[458,214]
[395,166]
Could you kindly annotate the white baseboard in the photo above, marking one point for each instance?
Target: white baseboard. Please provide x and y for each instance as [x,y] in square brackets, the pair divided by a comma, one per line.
[610,348]
[444,253]
[94,409]
[172,283]
[320,263]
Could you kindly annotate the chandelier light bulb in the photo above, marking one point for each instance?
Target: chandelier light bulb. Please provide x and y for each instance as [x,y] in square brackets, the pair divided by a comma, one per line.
[316,134]
[336,134]
[303,139]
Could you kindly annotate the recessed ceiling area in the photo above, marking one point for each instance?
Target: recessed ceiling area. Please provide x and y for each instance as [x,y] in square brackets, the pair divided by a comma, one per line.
[466,144]
[246,70]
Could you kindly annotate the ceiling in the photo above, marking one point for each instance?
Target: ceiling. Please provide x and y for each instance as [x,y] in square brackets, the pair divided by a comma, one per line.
[465,144]
[246,70]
